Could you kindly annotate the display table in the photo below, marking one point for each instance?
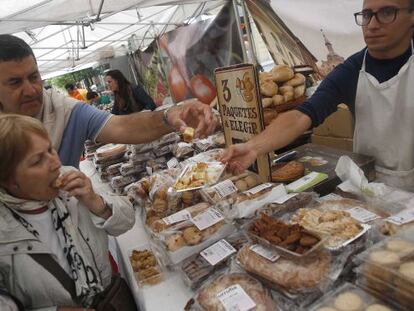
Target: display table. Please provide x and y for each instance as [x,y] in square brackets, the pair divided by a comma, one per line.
[171,294]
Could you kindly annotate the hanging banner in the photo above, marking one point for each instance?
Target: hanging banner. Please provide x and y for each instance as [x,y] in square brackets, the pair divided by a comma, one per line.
[241,109]
[191,53]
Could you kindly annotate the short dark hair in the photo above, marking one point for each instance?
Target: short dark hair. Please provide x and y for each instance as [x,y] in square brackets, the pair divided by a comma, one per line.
[69,86]
[91,94]
[13,48]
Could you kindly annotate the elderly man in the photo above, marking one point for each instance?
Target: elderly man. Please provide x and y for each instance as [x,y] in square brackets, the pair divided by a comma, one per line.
[70,122]
[377,85]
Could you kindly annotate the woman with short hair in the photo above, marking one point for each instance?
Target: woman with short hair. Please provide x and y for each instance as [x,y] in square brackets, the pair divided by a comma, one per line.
[51,216]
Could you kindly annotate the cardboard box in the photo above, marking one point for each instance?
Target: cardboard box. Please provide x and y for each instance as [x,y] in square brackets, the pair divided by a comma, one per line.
[334,142]
[339,124]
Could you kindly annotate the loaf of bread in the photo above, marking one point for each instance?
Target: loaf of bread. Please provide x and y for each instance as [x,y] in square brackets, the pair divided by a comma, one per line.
[282,73]
[267,102]
[297,80]
[268,88]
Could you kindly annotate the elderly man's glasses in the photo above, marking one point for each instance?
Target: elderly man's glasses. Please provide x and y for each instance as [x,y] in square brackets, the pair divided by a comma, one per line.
[385,15]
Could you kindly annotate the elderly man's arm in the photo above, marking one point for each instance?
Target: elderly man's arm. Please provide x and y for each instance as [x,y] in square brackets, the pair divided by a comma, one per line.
[142,127]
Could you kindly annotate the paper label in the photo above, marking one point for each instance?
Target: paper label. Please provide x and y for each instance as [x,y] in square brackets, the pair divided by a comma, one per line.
[306,182]
[284,198]
[225,188]
[362,215]
[265,252]
[172,163]
[234,298]
[149,170]
[218,252]
[207,219]
[258,188]
[177,217]
[402,217]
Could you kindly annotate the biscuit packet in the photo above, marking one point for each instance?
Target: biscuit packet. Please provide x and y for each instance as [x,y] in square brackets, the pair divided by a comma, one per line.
[349,297]
[232,291]
[192,236]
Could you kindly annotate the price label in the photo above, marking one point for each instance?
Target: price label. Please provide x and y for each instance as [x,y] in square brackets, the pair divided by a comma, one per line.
[285,198]
[265,252]
[234,298]
[306,182]
[149,170]
[362,215]
[258,188]
[218,252]
[403,217]
[172,163]
[177,217]
[225,188]
[329,197]
[207,219]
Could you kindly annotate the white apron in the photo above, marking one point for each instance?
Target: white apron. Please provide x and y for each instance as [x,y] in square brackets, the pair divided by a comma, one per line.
[384,124]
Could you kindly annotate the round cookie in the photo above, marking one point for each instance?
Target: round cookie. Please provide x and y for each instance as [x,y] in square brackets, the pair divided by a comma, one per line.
[288,172]
[241,185]
[348,302]
[401,247]
[326,309]
[251,181]
[380,259]
[175,242]
[377,307]
[405,280]
[192,235]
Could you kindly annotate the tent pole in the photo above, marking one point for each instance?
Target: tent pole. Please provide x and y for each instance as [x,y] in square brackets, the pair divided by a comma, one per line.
[239,30]
[250,40]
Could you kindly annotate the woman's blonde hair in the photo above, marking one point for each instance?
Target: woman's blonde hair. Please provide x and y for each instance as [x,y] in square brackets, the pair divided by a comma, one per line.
[15,141]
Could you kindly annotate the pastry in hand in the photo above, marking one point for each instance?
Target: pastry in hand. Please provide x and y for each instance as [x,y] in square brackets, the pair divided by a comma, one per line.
[188,134]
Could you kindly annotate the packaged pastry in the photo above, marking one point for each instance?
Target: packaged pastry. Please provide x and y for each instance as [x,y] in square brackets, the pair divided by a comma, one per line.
[233,291]
[391,262]
[145,265]
[287,172]
[110,151]
[182,150]
[122,181]
[141,148]
[214,141]
[197,268]
[289,203]
[288,275]
[192,236]
[164,150]
[168,139]
[338,227]
[130,168]
[139,158]
[289,240]
[208,156]
[198,175]
[348,297]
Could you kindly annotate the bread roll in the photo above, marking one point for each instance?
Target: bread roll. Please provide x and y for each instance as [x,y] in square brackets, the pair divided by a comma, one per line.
[278,100]
[299,91]
[289,96]
[268,89]
[297,80]
[282,73]
[286,89]
[267,102]
[265,76]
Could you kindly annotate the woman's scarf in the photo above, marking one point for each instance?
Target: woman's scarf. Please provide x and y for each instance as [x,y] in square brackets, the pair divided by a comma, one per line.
[86,279]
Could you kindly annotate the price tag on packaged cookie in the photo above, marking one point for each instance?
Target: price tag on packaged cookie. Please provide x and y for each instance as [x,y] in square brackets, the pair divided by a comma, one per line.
[218,252]
[172,163]
[362,215]
[207,219]
[177,217]
[329,197]
[306,182]
[258,188]
[225,188]
[403,217]
[265,252]
[234,298]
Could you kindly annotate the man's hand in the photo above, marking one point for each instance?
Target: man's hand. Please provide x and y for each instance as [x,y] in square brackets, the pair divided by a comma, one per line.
[238,157]
[193,114]
[77,184]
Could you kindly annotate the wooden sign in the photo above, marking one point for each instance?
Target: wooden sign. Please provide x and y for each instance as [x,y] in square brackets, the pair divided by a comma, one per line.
[241,109]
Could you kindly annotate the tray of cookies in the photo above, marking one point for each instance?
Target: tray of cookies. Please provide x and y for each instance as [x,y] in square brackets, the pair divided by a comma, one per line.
[291,241]
[348,297]
[145,265]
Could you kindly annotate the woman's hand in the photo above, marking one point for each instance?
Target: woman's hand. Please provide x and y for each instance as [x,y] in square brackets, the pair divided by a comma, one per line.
[77,184]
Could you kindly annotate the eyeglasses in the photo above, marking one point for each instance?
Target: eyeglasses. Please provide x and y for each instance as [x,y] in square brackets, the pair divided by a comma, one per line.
[385,15]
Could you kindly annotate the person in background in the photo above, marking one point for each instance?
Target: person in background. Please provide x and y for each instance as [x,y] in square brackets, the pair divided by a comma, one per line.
[74,92]
[50,214]
[128,98]
[93,98]
[377,85]
[70,123]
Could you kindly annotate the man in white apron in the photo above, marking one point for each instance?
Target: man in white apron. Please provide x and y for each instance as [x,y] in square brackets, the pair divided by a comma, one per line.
[382,98]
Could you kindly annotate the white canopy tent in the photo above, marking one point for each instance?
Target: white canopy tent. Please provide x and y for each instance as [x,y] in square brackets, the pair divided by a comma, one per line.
[70,34]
